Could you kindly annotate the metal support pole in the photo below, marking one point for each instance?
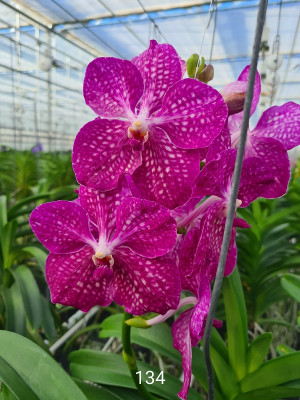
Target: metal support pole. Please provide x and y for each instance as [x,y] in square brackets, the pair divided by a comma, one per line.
[233,197]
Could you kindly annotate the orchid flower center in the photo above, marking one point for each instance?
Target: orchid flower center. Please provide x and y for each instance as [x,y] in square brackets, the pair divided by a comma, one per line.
[138,131]
[103,265]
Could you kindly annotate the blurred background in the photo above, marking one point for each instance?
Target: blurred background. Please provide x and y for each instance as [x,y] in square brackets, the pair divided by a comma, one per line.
[45,46]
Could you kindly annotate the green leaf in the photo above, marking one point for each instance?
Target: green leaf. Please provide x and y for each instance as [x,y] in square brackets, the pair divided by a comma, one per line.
[31,374]
[283,349]
[225,374]
[39,254]
[7,394]
[12,212]
[3,211]
[270,393]
[236,323]
[158,337]
[30,295]
[110,369]
[93,392]
[274,372]
[291,284]
[258,351]
[15,312]
[47,320]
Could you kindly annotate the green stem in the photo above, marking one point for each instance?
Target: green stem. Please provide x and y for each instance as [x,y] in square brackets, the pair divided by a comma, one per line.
[129,358]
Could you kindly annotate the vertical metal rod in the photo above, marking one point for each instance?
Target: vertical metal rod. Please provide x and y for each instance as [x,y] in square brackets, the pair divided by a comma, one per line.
[232,203]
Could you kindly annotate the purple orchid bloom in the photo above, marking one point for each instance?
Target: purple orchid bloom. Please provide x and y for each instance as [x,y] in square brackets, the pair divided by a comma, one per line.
[152,125]
[277,130]
[200,249]
[109,246]
[188,329]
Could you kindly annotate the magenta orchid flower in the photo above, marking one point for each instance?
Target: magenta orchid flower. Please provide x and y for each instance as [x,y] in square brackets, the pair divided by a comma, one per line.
[277,130]
[107,247]
[151,124]
[200,248]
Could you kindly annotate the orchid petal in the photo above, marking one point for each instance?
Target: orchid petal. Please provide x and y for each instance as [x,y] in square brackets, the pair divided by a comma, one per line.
[192,114]
[220,143]
[62,226]
[182,343]
[112,87]
[143,284]
[101,206]
[102,153]
[281,123]
[145,227]
[200,311]
[70,278]
[167,172]
[244,76]
[160,67]
[275,158]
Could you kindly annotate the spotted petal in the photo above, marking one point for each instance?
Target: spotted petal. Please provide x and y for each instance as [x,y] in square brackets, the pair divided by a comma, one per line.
[274,155]
[182,343]
[281,123]
[167,172]
[145,227]
[112,87]
[102,153]
[160,67]
[244,76]
[102,206]
[192,114]
[62,226]
[145,285]
[220,143]
[71,282]
[200,311]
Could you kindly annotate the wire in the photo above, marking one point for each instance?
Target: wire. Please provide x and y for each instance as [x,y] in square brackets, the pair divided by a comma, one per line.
[211,9]
[87,28]
[214,31]
[123,23]
[153,21]
[232,203]
[276,46]
[289,57]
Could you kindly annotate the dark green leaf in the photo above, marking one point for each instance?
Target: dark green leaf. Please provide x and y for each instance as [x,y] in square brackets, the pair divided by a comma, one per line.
[15,312]
[291,284]
[30,294]
[32,374]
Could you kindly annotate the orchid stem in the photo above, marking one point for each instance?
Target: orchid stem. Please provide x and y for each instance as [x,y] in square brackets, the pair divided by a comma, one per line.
[129,358]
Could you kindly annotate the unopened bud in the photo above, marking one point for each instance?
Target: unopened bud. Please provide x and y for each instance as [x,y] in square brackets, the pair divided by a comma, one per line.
[234,96]
[137,322]
[207,74]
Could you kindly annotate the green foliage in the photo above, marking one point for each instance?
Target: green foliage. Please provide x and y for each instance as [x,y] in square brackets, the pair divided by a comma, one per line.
[269,248]
[31,374]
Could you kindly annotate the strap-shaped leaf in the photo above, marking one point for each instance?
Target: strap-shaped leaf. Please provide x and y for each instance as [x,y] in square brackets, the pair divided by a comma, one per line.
[225,374]
[39,254]
[32,374]
[291,284]
[110,369]
[30,294]
[15,312]
[257,351]
[273,373]
[236,323]
[270,393]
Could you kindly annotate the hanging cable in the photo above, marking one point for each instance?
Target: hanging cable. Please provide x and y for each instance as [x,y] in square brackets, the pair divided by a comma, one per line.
[232,203]
[156,28]
[290,56]
[87,28]
[275,48]
[214,31]
[123,23]
[212,7]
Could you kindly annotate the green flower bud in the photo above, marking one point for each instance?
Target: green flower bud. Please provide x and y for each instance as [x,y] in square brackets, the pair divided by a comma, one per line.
[137,322]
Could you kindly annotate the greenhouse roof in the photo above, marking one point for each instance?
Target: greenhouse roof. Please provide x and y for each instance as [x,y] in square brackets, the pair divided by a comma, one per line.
[82,30]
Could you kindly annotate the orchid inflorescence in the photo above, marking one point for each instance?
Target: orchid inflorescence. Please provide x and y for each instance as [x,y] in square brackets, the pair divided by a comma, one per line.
[148,223]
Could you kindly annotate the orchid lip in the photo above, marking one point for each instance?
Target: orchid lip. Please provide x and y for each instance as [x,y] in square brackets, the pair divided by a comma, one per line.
[138,131]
